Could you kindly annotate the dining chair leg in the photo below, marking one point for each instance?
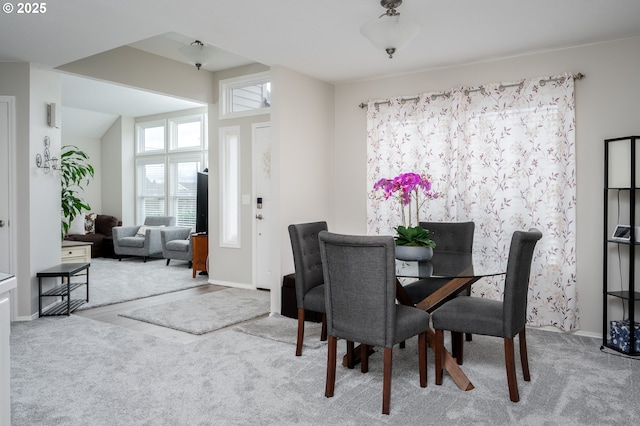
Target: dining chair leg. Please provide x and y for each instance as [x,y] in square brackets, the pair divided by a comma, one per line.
[323,333]
[386,381]
[350,354]
[438,348]
[332,349]
[511,369]
[300,331]
[364,358]
[422,358]
[468,337]
[457,346]
[524,359]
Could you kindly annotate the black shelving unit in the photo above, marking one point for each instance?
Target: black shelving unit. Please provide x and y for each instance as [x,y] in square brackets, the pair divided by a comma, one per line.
[620,183]
[65,305]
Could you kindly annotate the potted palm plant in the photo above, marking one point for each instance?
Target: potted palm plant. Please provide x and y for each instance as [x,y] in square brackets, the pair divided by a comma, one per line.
[76,172]
[413,242]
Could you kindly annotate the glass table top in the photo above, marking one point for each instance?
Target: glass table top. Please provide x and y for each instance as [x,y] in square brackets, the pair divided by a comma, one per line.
[451,265]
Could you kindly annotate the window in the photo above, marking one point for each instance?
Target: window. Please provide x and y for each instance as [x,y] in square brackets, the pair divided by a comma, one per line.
[151,136]
[169,153]
[229,186]
[244,96]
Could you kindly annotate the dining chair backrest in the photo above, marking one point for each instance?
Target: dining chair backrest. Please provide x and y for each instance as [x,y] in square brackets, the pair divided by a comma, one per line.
[306,257]
[451,236]
[360,290]
[516,283]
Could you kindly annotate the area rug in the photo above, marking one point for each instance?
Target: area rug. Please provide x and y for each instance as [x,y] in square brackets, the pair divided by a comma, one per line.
[283,329]
[205,313]
[111,281]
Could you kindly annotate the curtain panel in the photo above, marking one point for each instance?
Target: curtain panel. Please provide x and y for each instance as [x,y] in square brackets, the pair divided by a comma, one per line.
[502,155]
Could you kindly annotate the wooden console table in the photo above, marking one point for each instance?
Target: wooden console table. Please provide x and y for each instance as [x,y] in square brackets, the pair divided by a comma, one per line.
[200,252]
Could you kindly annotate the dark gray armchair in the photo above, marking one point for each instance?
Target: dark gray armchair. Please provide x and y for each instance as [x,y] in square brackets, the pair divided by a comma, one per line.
[308,269]
[360,295]
[492,317]
[177,244]
[143,241]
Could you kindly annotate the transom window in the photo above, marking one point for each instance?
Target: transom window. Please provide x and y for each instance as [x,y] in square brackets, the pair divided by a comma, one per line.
[246,95]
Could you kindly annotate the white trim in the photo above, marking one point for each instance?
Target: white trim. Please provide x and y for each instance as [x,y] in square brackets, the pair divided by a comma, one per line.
[232,284]
[13,216]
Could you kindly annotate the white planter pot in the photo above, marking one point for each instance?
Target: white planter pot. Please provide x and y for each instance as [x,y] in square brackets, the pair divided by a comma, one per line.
[413,253]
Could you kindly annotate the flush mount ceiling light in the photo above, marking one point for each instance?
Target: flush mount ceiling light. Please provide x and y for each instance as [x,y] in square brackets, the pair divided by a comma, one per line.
[389,32]
[197,53]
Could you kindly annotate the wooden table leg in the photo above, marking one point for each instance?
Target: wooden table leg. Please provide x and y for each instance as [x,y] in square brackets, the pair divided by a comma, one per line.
[451,365]
[430,304]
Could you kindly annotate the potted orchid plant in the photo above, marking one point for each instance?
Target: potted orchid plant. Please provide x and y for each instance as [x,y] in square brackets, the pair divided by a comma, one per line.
[412,190]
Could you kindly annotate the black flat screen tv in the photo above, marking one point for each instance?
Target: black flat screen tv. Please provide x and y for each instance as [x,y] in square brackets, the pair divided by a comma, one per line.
[202,202]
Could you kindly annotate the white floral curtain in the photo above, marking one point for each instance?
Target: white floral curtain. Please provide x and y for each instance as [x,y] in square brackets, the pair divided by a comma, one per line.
[502,155]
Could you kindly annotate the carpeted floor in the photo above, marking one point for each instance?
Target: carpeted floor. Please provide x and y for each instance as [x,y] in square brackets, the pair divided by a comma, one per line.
[205,313]
[284,329]
[112,281]
[76,371]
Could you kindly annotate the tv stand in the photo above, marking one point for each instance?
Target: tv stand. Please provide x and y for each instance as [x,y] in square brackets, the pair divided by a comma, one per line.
[200,252]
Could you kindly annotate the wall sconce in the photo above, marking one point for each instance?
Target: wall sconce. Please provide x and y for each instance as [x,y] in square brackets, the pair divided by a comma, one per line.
[45,161]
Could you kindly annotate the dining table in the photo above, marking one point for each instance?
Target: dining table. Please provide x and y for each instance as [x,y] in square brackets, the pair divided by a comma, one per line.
[461,270]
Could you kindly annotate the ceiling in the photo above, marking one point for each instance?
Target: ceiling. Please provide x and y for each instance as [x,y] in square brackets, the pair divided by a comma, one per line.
[317,38]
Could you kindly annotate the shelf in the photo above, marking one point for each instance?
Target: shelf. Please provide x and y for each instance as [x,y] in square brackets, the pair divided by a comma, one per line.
[617,349]
[61,290]
[624,295]
[60,308]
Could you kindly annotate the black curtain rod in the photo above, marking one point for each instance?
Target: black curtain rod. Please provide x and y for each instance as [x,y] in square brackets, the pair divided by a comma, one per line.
[578,76]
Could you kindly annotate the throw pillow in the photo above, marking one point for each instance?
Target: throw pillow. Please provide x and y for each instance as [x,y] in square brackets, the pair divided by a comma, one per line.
[143,229]
[77,226]
[105,224]
[90,223]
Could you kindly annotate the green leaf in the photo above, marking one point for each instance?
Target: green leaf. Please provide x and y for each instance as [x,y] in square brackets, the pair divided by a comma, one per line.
[414,236]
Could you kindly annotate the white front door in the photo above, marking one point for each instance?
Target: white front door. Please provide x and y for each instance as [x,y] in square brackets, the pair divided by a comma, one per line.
[261,204]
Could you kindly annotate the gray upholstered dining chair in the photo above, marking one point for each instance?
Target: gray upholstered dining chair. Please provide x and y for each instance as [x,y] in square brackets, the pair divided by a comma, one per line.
[449,237]
[143,241]
[504,318]
[360,295]
[308,270]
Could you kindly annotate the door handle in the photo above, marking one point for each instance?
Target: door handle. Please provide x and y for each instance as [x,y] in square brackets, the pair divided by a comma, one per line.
[1,223]
[259,217]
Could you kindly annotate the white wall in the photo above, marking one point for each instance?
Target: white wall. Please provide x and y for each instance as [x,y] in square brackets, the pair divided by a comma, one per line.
[38,195]
[303,161]
[606,107]
[92,193]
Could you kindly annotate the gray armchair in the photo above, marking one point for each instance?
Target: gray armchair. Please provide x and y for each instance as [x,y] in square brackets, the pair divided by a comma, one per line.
[143,241]
[492,317]
[360,296]
[177,244]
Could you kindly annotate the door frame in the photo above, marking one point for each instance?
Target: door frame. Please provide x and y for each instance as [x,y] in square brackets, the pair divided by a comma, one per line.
[254,210]
[11,194]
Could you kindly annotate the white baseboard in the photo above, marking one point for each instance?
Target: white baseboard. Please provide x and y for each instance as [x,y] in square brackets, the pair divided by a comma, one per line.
[577,332]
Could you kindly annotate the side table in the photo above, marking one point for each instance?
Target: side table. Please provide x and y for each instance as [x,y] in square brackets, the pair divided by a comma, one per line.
[200,252]
[65,271]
